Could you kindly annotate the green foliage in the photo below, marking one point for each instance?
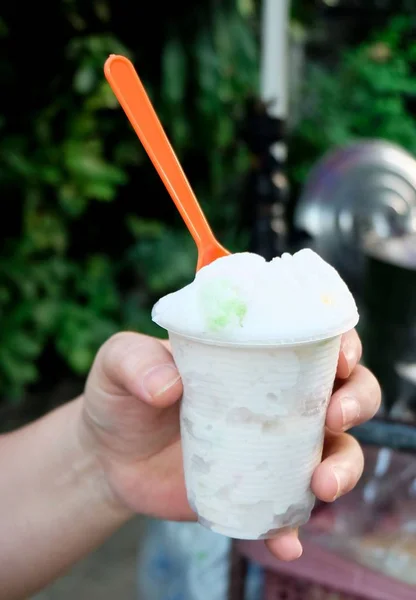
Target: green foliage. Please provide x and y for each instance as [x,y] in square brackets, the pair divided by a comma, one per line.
[83,257]
[218,69]
[90,239]
[55,169]
[367,97]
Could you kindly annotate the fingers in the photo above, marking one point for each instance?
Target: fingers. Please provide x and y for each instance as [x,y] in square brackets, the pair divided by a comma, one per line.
[341,468]
[285,546]
[350,354]
[138,365]
[357,400]
[338,474]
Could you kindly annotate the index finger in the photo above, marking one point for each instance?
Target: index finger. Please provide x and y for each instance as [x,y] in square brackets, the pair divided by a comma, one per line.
[350,354]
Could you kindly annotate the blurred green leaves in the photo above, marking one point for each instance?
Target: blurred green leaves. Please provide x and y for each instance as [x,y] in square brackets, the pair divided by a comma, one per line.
[56,170]
[53,299]
[205,82]
[367,97]
[91,245]
[68,157]
[167,258]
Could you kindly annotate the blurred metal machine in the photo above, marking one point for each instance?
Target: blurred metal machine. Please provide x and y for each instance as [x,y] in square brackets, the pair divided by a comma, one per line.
[390,315]
[359,209]
[390,339]
[360,191]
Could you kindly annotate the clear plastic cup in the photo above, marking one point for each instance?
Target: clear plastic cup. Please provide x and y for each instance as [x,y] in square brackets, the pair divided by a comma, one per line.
[252,428]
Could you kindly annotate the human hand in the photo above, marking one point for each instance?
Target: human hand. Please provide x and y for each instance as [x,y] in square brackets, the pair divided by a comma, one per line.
[130,421]
[356,399]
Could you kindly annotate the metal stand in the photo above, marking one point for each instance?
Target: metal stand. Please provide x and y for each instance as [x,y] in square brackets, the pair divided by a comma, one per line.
[267,188]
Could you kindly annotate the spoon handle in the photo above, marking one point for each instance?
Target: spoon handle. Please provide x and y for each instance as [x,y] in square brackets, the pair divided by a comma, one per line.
[126,85]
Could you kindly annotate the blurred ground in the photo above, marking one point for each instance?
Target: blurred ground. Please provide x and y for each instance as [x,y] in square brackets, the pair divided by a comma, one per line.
[108,573]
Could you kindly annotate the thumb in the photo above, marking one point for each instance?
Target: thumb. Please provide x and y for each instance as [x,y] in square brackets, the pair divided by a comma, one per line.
[137,365]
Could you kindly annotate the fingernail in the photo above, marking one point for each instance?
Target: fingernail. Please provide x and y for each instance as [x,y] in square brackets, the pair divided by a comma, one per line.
[159,379]
[297,546]
[298,550]
[342,478]
[350,352]
[350,408]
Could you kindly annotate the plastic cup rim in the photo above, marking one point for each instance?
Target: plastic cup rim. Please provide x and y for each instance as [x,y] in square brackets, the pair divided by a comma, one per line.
[264,343]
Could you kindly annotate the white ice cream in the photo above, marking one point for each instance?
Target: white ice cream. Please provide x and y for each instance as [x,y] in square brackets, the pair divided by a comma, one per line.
[241,298]
[255,397]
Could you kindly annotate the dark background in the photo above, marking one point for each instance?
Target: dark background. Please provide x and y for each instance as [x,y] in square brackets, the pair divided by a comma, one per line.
[90,238]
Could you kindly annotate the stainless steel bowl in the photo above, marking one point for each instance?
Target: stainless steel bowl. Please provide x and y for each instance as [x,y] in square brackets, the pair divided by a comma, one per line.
[359,191]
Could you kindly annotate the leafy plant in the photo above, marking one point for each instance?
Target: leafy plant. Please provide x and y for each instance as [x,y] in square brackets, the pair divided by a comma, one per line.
[76,264]
[370,95]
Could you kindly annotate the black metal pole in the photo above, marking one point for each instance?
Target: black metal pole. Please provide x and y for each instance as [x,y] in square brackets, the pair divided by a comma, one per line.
[267,190]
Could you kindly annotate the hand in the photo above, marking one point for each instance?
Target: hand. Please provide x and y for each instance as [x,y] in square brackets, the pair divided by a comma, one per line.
[130,421]
[356,399]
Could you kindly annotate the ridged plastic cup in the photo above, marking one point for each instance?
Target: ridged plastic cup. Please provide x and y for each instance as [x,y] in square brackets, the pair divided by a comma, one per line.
[252,429]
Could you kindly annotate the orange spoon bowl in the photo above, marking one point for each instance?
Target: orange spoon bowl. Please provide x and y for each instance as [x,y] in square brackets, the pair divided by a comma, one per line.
[130,92]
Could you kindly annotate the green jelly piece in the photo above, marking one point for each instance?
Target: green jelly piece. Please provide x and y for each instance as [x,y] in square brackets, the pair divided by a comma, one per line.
[222,305]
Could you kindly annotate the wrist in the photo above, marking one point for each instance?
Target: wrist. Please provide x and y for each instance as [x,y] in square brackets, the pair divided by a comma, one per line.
[58,503]
[88,469]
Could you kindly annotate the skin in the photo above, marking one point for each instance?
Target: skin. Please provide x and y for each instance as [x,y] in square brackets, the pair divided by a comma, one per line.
[70,479]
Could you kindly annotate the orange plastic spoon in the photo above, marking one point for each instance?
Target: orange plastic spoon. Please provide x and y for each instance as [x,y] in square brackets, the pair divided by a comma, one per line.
[126,85]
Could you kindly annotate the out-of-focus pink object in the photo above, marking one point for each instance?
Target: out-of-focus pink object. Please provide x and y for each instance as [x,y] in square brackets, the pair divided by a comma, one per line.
[362,547]
[321,575]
